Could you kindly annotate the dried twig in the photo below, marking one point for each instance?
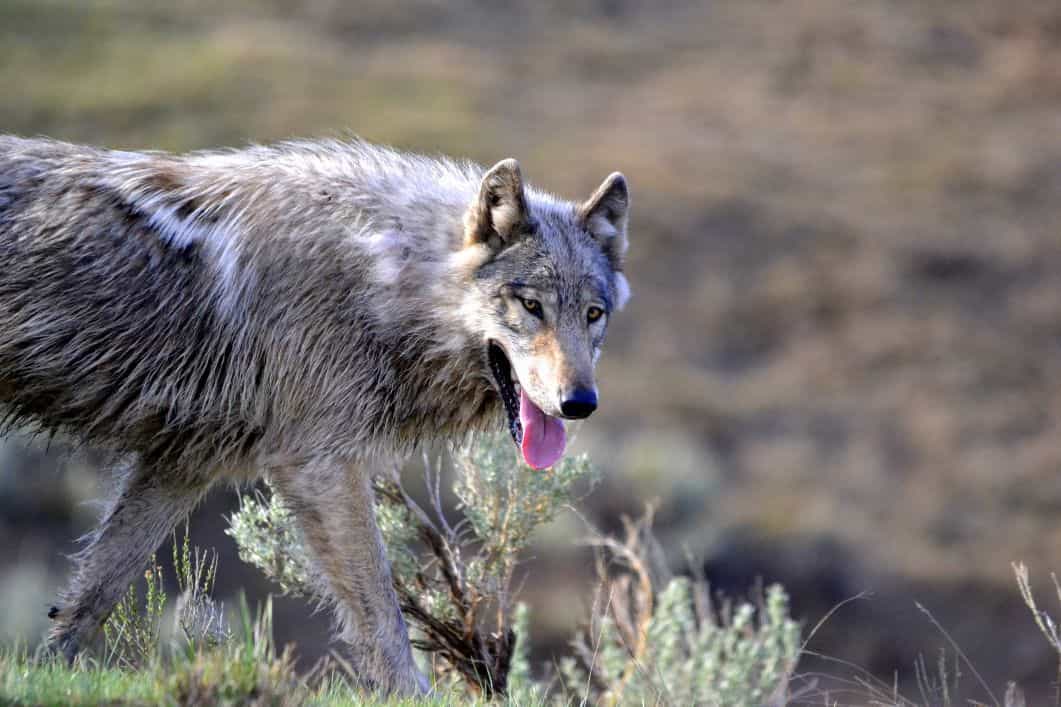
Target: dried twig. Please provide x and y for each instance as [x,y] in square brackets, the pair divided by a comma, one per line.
[482,659]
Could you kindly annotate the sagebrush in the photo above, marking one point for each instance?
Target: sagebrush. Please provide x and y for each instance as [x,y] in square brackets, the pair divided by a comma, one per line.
[658,638]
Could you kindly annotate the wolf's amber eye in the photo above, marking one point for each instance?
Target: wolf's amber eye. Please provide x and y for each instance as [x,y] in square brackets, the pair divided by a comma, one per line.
[532,305]
[594,313]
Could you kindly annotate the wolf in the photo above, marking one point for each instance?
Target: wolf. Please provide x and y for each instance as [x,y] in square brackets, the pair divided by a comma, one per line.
[303,312]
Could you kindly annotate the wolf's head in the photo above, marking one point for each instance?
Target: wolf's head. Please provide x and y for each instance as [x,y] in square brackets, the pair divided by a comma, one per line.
[548,278]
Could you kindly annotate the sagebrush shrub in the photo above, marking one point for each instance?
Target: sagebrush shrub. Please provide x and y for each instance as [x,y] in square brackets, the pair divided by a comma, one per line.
[657,639]
[651,640]
[132,634]
[454,580]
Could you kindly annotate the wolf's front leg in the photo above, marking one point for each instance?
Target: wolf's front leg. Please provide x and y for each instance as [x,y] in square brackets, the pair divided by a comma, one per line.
[333,503]
[150,504]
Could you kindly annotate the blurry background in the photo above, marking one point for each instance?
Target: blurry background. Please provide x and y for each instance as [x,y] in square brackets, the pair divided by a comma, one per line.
[841,367]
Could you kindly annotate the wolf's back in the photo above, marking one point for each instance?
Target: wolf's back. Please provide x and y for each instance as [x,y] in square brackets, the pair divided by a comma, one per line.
[97,313]
[20,171]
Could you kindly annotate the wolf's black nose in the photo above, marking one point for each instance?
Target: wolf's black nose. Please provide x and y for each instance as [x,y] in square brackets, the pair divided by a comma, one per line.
[580,403]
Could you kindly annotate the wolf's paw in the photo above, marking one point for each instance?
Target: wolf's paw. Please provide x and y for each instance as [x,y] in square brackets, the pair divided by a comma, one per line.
[66,647]
[63,638]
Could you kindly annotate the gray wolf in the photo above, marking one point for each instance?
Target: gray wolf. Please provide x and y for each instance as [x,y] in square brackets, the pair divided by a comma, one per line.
[299,311]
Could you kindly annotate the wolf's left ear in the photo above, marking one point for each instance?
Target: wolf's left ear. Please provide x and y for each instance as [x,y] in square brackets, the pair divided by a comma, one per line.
[604,215]
[500,212]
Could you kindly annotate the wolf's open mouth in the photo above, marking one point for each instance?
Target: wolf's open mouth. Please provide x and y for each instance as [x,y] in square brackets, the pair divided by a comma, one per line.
[540,437]
[506,386]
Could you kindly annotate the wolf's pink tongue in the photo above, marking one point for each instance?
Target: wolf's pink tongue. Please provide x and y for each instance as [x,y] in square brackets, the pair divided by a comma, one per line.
[543,436]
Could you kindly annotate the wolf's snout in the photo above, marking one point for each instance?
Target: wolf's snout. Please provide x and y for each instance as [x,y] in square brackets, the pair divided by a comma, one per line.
[579,403]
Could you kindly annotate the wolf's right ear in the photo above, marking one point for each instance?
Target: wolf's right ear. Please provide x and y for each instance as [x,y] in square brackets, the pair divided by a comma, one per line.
[500,212]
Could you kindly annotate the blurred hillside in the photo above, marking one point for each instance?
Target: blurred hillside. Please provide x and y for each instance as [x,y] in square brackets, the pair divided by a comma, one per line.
[841,367]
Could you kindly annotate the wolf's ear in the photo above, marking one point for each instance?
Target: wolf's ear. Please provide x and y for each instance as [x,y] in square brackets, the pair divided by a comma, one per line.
[604,215]
[500,212]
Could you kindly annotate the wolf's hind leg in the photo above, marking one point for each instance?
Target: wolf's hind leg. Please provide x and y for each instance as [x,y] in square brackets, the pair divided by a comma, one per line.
[147,509]
[333,503]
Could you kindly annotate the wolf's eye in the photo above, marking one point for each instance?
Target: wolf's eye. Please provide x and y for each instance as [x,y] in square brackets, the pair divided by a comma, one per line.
[532,305]
[594,313]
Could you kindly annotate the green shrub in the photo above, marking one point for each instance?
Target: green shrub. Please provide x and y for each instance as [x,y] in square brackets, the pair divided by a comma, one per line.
[657,639]
[653,642]
[201,620]
[454,580]
[132,634]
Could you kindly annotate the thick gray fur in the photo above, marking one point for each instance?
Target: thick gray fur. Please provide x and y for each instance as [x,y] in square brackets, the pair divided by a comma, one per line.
[302,311]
